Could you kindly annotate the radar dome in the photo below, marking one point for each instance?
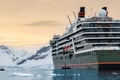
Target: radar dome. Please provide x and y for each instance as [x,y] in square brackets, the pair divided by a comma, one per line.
[102,13]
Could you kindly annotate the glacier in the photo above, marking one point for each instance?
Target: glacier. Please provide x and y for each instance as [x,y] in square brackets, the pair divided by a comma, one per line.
[26,57]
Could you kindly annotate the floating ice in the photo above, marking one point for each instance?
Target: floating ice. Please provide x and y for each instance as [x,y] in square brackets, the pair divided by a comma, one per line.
[38,75]
[114,73]
[22,74]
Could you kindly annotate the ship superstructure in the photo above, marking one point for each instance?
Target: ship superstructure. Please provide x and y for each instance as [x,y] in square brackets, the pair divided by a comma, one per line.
[88,43]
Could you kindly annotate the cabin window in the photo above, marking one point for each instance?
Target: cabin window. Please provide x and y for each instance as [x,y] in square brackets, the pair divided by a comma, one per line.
[78,48]
[61,57]
[79,26]
[115,25]
[53,54]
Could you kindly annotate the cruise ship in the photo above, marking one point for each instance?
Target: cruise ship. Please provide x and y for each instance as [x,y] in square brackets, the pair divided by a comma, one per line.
[88,43]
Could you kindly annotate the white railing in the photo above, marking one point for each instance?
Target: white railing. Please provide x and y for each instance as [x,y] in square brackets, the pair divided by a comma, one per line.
[99,48]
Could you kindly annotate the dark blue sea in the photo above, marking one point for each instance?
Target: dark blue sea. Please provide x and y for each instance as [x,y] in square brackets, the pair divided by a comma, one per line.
[17,73]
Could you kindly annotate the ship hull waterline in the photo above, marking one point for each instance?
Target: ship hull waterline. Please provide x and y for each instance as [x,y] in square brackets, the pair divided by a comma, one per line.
[100,60]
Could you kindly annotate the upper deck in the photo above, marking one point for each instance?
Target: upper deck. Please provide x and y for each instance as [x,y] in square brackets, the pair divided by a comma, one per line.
[87,33]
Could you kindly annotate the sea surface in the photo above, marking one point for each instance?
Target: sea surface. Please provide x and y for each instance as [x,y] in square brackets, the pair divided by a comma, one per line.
[17,73]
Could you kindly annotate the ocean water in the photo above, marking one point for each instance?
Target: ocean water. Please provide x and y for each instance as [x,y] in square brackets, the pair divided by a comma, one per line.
[15,73]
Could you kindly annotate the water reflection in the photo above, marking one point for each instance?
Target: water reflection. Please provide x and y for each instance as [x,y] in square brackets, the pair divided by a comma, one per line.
[86,75]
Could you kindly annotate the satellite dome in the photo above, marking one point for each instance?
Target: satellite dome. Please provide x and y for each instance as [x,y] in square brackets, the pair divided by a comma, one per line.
[102,13]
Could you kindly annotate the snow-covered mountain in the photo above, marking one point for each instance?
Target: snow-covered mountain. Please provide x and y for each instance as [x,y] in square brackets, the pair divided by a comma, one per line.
[32,56]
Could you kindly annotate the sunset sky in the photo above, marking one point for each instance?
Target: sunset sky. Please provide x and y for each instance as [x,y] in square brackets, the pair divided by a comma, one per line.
[34,22]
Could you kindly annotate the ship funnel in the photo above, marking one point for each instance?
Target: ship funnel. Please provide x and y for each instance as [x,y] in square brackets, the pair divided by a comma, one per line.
[81,14]
[105,8]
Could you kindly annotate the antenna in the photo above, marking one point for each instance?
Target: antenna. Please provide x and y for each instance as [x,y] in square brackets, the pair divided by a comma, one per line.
[69,20]
[94,14]
[91,12]
[74,15]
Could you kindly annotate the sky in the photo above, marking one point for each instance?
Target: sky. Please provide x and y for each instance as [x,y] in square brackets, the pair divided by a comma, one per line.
[34,22]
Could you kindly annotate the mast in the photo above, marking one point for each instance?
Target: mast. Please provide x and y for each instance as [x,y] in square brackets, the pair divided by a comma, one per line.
[69,20]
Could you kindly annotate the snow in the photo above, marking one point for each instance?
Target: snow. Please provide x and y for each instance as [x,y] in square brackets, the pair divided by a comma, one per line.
[19,54]
[5,60]
[43,63]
